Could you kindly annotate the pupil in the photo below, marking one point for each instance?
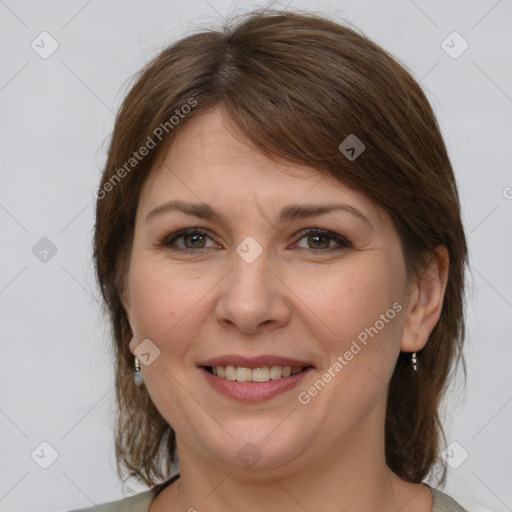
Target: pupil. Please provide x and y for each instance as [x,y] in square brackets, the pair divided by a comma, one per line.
[194,237]
[316,237]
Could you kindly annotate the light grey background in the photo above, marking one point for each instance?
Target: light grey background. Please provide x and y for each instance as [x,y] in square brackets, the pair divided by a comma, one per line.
[56,381]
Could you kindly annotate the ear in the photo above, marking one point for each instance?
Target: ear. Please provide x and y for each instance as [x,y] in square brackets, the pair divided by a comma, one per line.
[425,302]
[125,297]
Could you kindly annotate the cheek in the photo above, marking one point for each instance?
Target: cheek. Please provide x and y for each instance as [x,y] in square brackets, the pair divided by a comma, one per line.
[162,302]
[359,308]
[162,310]
[353,298]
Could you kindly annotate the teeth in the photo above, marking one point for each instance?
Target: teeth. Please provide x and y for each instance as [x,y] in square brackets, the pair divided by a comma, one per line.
[264,374]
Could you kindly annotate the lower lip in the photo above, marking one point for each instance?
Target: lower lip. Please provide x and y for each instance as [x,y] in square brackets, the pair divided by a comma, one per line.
[253,391]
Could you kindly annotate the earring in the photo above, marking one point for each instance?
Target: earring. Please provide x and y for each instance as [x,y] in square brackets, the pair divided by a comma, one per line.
[414,361]
[138,377]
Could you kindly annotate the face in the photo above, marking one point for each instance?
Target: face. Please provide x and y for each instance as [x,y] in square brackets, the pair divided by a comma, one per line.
[262,278]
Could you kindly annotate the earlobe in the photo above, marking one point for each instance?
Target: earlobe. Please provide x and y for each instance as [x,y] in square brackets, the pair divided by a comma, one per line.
[426,302]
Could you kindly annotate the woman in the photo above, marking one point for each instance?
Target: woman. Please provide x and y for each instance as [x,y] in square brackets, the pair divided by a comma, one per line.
[279,245]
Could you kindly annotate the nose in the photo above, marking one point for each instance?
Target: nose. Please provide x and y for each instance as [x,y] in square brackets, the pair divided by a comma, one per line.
[252,296]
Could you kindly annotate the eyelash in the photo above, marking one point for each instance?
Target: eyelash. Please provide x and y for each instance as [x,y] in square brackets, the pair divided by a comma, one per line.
[169,241]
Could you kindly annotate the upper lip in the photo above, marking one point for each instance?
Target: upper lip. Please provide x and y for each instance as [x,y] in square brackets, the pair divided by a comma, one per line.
[253,362]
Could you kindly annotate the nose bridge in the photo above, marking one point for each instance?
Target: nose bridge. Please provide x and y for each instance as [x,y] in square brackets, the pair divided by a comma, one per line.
[250,294]
[250,273]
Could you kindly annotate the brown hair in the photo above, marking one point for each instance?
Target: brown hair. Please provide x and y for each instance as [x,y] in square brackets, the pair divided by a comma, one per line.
[296,85]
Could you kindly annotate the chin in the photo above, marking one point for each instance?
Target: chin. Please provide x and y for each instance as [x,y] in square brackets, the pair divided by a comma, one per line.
[252,447]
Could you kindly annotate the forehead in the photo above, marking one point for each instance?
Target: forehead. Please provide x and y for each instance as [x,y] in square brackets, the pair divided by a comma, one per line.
[208,148]
[209,162]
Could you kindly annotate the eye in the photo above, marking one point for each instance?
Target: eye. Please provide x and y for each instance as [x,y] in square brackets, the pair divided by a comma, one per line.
[320,240]
[194,240]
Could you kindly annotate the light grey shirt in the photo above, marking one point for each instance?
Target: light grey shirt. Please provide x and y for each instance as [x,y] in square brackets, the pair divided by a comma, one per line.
[142,501]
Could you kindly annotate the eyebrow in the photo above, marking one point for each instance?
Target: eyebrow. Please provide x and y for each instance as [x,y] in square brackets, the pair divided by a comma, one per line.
[294,211]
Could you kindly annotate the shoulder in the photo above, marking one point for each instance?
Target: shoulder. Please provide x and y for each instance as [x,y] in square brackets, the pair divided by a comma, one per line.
[443,503]
[136,503]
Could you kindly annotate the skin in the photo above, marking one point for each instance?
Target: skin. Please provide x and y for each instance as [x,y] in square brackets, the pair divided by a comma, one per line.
[302,297]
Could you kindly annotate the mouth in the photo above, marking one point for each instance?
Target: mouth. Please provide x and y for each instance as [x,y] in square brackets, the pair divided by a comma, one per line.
[256,379]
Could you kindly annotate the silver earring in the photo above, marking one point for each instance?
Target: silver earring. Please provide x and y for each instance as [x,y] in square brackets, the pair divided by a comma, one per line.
[415,362]
[138,377]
